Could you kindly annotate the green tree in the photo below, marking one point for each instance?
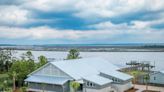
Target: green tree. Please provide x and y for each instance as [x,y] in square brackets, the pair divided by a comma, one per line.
[42,60]
[5,59]
[22,68]
[75,85]
[43,86]
[134,79]
[27,56]
[14,75]
[147,78]
[73,54]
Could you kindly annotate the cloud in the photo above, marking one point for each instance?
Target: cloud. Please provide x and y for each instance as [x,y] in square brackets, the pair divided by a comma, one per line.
[45,33]
[100,20]
[13,15]
[90,8]
[112,8]
[50,5]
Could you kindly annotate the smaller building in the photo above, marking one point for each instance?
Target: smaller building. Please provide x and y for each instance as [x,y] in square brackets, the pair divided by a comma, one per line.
[157,78]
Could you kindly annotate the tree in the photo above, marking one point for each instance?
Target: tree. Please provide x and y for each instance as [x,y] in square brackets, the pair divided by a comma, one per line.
[43,86]
[27,56]
[5,59]
[73,54]
[22,68]
[42,60]
[147,78]
[134,80]
[14,74]
[75,85]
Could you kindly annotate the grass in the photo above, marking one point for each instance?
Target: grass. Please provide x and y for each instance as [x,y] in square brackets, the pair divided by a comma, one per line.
[3,77]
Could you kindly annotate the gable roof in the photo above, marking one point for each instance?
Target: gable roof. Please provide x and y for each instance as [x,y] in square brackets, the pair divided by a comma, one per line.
[80,68]
[85,68]
[76,68]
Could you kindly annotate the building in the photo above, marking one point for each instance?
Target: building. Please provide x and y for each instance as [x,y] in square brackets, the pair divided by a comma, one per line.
[93,74]
[157,78]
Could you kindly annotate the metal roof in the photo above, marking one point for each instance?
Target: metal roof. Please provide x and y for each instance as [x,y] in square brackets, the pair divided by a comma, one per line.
[97,79]
[162,71]
[79,68]
[117,74]
[47,79]
[85,68]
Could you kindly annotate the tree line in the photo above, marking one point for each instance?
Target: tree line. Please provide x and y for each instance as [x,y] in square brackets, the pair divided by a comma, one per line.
[18,69]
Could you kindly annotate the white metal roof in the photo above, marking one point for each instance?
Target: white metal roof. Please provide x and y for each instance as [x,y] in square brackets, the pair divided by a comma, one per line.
[97,79]
[79,68]
[85,68]
[47,79]
[162,71]
[117,74]
[76,68]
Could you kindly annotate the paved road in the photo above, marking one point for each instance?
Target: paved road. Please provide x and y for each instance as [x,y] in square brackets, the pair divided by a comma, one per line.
[143,87]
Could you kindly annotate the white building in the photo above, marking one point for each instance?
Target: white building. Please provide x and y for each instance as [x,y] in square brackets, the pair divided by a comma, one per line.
[93,74]
[157,78]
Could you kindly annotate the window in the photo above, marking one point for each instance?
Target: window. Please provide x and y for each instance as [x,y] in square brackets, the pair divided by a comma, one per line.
[154,78]
[90,84]
[87,83]
[113,79]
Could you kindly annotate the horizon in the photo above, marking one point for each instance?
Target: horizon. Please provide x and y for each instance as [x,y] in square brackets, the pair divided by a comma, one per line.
[83,44]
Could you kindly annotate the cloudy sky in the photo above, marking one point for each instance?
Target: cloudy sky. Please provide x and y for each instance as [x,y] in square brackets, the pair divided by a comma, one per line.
[81,21]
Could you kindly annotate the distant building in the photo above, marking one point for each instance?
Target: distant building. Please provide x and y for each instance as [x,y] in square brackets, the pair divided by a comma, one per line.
[157,78]
[93,75]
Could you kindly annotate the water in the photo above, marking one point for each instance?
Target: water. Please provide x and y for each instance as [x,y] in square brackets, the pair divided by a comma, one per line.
[117,58]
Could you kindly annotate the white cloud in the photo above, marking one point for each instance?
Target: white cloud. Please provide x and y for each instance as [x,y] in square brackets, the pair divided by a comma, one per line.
[87,9]
[44,33]
[50,5]
[99,8]
[13,15]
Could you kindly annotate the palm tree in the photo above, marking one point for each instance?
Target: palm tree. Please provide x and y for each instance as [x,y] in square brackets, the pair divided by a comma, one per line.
[42,60]
[147,78]
[43,86]
[75,85]
[14,74]
[134,79]
[73,54]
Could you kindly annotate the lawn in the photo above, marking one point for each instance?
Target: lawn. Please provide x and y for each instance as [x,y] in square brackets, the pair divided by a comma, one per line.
[4,77]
